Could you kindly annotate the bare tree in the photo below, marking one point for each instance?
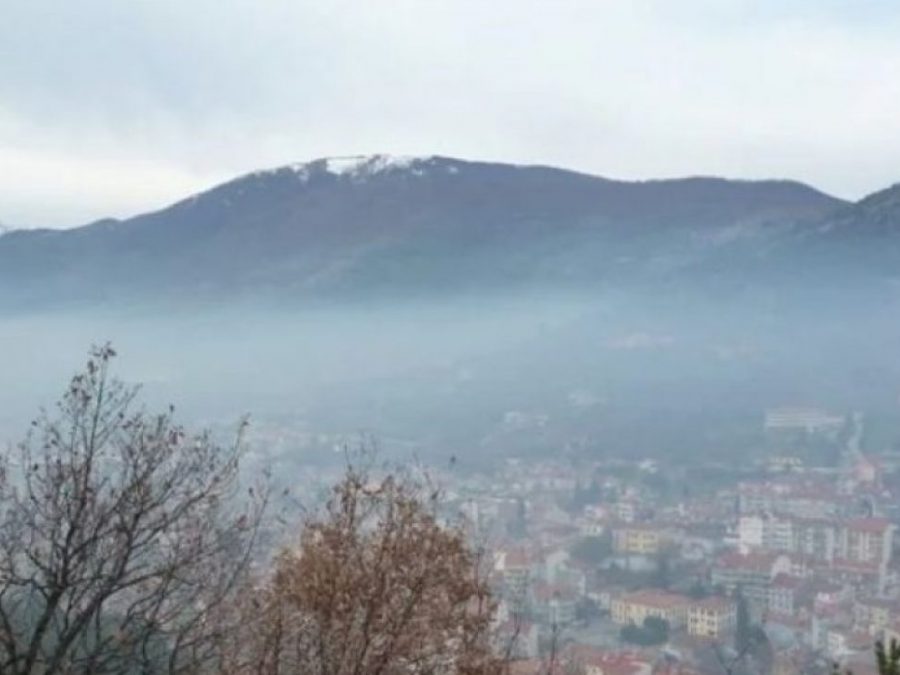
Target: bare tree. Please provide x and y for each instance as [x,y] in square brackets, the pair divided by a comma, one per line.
[376,586]
[120,537]
[560,659]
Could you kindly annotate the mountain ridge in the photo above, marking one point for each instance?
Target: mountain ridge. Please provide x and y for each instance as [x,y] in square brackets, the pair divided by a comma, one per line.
[345,225]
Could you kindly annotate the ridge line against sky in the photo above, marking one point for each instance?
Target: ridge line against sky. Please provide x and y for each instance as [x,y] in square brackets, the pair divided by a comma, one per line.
[292,165]
[111,109]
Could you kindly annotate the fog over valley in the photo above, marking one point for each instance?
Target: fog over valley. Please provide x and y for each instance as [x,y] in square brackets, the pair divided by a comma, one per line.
[660,368]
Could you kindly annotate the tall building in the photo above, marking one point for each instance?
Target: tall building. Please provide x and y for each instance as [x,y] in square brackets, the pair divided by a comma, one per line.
[866,540]
[859,540]
[751,574]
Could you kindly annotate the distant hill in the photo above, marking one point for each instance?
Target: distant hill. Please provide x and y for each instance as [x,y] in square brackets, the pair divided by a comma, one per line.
[348,227]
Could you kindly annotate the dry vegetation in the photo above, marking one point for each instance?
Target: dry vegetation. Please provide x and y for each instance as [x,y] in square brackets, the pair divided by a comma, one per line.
[375,586]
[126,546]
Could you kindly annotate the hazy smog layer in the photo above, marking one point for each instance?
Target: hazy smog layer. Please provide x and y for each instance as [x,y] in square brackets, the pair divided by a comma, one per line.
[607,374]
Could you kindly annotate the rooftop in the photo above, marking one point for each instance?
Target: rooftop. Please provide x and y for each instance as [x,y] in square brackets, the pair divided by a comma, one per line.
[655,598]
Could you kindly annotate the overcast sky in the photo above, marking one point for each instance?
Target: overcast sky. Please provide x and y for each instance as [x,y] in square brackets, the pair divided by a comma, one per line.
[111,108]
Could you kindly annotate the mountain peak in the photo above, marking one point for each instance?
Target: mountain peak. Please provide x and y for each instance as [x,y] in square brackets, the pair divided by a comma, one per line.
[886,198]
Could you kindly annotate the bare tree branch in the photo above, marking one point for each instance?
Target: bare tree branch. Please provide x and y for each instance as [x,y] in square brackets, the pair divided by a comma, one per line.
[120,536]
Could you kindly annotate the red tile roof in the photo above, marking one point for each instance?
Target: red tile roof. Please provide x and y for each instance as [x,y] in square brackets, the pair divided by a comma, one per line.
[544,592]
[786,581]
[610,662]
[516,558]
[873,525]
[714,603]
[655,598]
[759,561]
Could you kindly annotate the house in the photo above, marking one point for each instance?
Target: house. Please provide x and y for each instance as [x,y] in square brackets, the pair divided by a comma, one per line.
[784,594]
[639,539]
[866,470]
[815,537]
[844,643]
[514,566]
[554,604]
[803,419]
[601,594]
[532,666]
[626,510]
[827,596]
[555,563]
[807,498]
[633,608]
[591,526]
[751,573]
[873,616]
[866,540]
[863,540]
[594,661]
[751,531]
[854,573]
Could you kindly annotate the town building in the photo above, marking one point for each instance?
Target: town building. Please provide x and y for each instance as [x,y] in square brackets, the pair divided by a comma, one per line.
[807,420]
[711,618]
[750,574]
[639,539]
[633,608]
[784,594]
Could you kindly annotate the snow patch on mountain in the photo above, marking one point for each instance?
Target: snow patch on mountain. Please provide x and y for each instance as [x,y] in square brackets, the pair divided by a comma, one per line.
[357,166]
[361,167]
[368,165]
[342,166]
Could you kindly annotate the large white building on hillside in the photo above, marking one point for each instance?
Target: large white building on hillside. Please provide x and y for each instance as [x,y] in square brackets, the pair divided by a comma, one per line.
[809,420]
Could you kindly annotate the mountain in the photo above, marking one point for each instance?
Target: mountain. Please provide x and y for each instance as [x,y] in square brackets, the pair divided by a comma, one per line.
[354,226]
[869,229]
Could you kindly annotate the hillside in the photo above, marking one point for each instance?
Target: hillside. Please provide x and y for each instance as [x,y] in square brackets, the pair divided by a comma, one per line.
[380,224]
